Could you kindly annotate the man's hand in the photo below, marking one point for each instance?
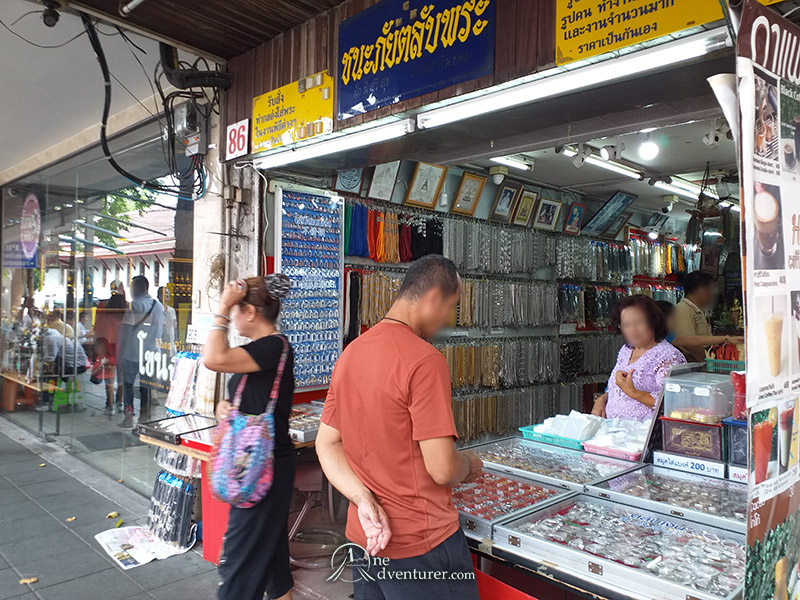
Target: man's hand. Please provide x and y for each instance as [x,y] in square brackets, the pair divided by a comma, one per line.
[223,410]
[475,465]
[375,524]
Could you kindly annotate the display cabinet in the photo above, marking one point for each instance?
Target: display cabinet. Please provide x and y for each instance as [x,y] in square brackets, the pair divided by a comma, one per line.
[628,551]
[553,465]
[716,502]
[493,497]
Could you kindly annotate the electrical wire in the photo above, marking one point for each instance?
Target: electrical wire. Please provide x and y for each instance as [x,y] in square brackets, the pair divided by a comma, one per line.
[196,171]
[23,15]
[43,46]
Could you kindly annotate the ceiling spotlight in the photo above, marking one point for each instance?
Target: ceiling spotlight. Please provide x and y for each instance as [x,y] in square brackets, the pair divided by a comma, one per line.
[648,149]
[583,153]
[612,152]
[50,14]
[652,232]
[514,162]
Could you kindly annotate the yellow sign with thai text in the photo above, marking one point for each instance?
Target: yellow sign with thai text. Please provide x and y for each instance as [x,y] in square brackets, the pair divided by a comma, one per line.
[293,112]
[586,28]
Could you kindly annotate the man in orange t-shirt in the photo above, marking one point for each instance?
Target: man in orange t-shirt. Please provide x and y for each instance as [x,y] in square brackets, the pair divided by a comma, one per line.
[387,443]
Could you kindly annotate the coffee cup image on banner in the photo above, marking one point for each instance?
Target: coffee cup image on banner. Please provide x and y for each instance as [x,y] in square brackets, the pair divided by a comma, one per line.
[767,215]
[767,140]
[772,328]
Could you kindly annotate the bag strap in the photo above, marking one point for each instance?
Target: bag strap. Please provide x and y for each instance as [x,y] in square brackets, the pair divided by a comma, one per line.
[276,384]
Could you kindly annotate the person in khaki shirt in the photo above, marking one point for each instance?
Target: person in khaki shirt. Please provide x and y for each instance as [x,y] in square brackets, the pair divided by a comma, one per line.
[689,317]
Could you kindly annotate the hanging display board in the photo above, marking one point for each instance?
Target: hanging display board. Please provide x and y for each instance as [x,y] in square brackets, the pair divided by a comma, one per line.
[308,248]
[586,28]
[769,113]
[297,111]
[399,49]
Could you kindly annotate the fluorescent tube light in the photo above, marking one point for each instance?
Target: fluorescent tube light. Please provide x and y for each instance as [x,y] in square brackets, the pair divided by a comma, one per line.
[680,191]
[348,141]
[578,78]
[615,167]
[514,163]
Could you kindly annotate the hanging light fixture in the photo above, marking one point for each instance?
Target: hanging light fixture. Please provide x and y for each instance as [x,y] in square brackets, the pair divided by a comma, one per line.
[648,149]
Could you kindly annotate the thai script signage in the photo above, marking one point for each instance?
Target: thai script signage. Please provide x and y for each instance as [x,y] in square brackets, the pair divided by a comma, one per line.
[586,28]
[294,112]
[398,49]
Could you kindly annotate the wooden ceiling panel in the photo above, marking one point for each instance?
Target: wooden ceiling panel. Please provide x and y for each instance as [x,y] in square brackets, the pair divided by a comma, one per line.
[223,28]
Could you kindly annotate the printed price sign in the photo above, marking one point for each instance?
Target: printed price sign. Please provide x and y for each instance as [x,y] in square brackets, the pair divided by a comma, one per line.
[236,139]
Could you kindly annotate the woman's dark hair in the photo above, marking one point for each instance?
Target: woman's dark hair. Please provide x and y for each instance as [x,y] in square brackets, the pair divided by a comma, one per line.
[654,314]
[265,294]
[666,307]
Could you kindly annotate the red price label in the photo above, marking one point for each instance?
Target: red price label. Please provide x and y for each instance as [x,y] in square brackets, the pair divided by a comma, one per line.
[237,138]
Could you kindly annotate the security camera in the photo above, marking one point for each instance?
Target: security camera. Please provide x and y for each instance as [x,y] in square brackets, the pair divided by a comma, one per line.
[667,209]
[498,174]
[50,14]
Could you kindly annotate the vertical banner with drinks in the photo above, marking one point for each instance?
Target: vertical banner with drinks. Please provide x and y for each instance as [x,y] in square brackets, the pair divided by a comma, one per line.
[768,73]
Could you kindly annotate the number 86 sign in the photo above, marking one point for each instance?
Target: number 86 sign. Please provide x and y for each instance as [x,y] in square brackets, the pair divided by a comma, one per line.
[236,139]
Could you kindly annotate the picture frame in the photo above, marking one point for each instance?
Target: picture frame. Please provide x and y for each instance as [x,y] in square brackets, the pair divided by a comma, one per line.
[348,181]
[572,225]
[425,186]
[615,206]
[468,195]
[384,177]
[547,214]
[525,208]
[505,203]
[617,225]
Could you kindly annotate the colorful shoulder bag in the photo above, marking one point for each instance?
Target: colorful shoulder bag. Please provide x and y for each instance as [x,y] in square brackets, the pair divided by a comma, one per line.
[242,458]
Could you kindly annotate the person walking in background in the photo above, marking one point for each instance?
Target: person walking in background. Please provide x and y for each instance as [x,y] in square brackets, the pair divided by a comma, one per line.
[170,333]
[104,370]
[141,327]
[387,442]
[255,558]
[108,325]
[689,317]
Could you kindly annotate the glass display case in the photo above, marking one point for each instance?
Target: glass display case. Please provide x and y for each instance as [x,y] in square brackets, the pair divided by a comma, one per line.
[493,497]
[304,422]
[628,551]
[553,465]
[718,502]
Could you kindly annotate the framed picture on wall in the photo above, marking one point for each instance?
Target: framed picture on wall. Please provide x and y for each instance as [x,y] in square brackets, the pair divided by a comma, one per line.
[617,225]
[426,183]
[616,205]
[525,208]
[348,181]
[383,179]
[469,192]
[574,219]
[505,202]
[547,214]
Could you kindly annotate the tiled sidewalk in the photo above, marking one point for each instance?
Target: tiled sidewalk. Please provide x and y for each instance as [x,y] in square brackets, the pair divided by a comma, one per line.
[36,540]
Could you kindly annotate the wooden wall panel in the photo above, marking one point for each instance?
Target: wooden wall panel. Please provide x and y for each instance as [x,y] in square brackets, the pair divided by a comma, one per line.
[524,43]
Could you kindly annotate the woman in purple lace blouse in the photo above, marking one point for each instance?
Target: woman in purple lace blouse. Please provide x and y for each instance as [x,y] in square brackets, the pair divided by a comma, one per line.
[643,363]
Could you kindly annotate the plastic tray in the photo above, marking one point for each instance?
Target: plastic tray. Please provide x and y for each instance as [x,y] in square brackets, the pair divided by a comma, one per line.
[556,440]
[603,451]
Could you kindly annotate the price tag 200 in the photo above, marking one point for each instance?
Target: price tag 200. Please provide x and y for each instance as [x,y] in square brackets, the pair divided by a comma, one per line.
[237,139]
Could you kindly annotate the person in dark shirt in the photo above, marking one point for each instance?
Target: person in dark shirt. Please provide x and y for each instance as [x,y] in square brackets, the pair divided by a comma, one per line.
[255,557]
